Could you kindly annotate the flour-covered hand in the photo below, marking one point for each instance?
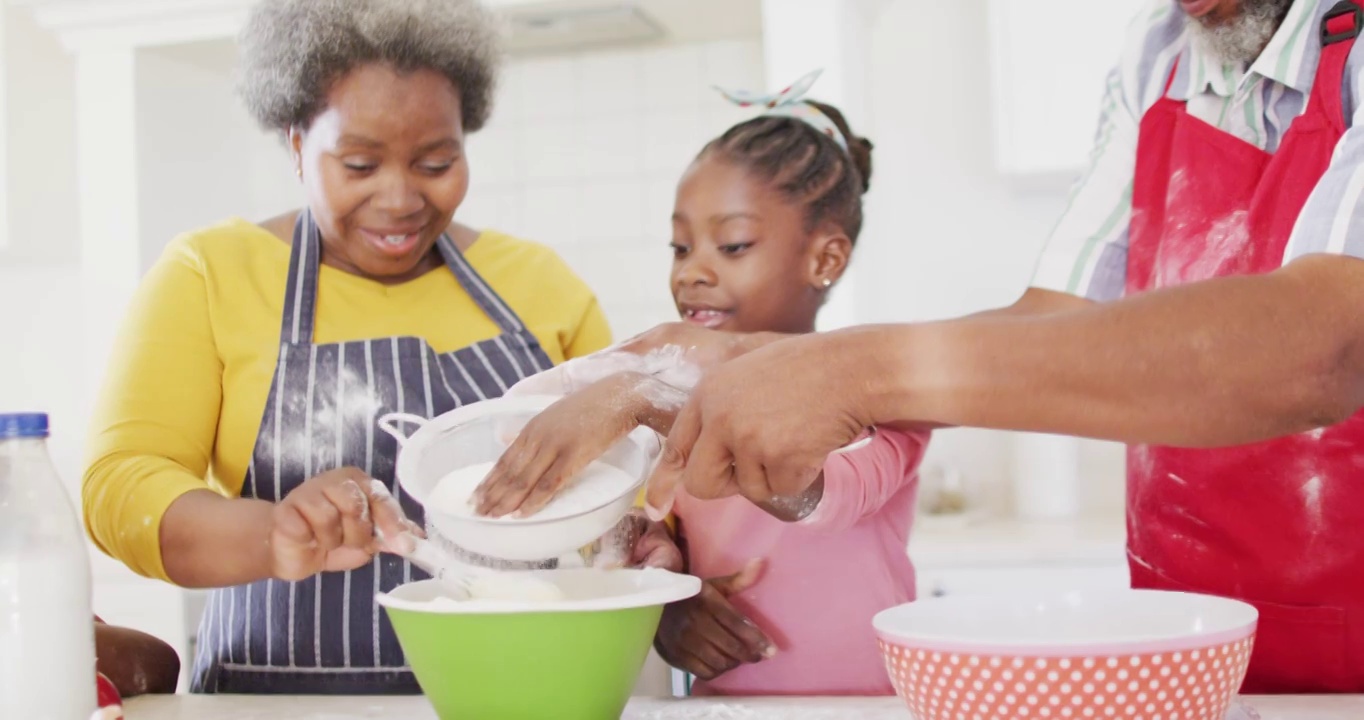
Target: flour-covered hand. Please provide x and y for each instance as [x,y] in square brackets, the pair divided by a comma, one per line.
[560,442]
[332,522]
[700,346]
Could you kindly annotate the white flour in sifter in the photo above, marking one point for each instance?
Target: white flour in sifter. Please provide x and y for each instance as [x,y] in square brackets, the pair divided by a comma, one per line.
[596,486]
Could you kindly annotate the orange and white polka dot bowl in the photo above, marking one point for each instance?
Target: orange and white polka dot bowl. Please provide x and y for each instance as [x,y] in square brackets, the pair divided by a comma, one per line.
[1125,655]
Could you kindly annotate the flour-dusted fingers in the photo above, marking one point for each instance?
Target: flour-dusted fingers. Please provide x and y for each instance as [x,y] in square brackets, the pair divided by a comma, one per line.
[352,503]
[386,514]
[513,476]
[555,478]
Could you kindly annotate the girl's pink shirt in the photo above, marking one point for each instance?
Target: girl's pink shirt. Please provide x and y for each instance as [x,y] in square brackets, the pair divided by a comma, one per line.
[826,576]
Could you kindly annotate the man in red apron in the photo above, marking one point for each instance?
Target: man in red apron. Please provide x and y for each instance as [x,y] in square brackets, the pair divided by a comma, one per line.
[1203,290]
[1279,523]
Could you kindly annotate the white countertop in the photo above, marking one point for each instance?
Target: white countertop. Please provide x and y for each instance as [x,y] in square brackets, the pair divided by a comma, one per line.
[996,542]
[191,707]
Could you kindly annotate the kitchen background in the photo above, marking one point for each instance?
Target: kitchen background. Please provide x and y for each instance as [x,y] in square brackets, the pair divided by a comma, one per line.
[118,129]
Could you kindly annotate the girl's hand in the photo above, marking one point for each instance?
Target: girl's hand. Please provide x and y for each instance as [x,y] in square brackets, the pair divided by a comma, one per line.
[706,636]
[556,445]
[700,346]
[675,353]
[329,524]
[655,547]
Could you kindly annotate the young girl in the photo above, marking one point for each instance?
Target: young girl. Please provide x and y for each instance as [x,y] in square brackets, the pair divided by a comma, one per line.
[764,224]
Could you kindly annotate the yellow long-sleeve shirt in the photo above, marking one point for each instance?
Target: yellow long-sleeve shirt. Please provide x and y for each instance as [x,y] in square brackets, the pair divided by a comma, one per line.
[188,380]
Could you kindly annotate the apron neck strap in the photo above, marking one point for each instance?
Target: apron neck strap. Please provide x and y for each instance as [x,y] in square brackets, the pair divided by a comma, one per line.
[300,294]
[1339,29]
[496,308]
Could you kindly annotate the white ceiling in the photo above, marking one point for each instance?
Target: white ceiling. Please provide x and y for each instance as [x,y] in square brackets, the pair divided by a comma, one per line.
[682,20]
[679,20]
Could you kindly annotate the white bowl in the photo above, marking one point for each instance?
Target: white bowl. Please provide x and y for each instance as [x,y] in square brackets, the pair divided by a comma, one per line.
[585,590]
[479,433]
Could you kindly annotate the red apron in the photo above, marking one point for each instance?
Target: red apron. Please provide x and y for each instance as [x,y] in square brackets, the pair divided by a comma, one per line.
[1279,524]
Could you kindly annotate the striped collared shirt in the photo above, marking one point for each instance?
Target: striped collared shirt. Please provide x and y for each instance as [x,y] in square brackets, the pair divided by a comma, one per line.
[1087,252]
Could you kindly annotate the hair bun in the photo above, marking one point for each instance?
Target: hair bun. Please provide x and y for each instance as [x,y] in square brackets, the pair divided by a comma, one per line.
[861,148]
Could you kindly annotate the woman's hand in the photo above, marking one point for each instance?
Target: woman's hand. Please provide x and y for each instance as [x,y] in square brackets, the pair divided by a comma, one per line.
[329,524]
[567,436]
[706,636]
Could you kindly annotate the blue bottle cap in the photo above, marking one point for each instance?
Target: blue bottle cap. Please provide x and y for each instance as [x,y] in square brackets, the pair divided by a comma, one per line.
[23,425]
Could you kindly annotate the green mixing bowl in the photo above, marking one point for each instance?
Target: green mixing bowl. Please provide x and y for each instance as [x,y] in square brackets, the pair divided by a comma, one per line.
[575,659]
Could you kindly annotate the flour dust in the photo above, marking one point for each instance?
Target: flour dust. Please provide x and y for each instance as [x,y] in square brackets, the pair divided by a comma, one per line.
[343,415]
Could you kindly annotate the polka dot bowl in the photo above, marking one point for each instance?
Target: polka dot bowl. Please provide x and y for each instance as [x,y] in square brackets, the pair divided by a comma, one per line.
[1122,655]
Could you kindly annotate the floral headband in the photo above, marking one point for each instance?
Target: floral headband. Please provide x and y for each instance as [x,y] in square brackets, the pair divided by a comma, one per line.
[790,103]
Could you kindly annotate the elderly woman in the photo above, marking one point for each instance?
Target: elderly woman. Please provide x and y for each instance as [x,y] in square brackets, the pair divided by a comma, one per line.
[235,444]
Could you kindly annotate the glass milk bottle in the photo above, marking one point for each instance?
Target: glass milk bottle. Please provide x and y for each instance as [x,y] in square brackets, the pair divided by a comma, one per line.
[47,636]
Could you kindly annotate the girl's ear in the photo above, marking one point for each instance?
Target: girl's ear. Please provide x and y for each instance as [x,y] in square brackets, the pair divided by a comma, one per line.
[830,252]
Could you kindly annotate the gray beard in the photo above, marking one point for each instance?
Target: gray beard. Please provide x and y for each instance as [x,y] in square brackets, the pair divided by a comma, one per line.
[1241,39]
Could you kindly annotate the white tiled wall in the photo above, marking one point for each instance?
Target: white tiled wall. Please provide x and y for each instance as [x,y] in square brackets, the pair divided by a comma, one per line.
[584,151]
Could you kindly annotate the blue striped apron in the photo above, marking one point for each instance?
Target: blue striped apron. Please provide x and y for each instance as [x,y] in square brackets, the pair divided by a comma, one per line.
[326,634]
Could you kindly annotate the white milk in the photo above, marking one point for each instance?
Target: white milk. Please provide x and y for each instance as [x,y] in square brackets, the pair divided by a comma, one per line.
[47,659]
[596,486]
[47,643]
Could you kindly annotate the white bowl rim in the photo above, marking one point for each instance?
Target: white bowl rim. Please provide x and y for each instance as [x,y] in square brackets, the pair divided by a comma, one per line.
[1240,622]
[434,427]
[661,587]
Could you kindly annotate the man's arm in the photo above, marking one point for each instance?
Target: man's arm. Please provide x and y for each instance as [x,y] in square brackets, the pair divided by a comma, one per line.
[1223,362]
[1036,302]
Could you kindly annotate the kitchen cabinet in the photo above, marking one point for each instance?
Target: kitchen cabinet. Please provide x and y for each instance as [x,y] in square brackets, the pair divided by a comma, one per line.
[1007,555]
[1049,60]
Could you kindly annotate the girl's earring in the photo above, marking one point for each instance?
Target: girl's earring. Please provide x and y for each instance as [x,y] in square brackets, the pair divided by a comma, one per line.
[827,283]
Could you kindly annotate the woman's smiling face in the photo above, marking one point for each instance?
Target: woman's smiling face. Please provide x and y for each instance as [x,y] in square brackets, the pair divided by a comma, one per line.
[384,169]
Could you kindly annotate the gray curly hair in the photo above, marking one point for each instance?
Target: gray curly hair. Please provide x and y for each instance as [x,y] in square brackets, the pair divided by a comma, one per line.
[293,50]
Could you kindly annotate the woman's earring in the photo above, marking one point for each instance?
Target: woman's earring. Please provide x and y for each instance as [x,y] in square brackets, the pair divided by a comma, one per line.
[827,283]
[299,172]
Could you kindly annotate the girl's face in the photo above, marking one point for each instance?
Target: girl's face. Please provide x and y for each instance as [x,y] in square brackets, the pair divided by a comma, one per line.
[744,260]
[384,169]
